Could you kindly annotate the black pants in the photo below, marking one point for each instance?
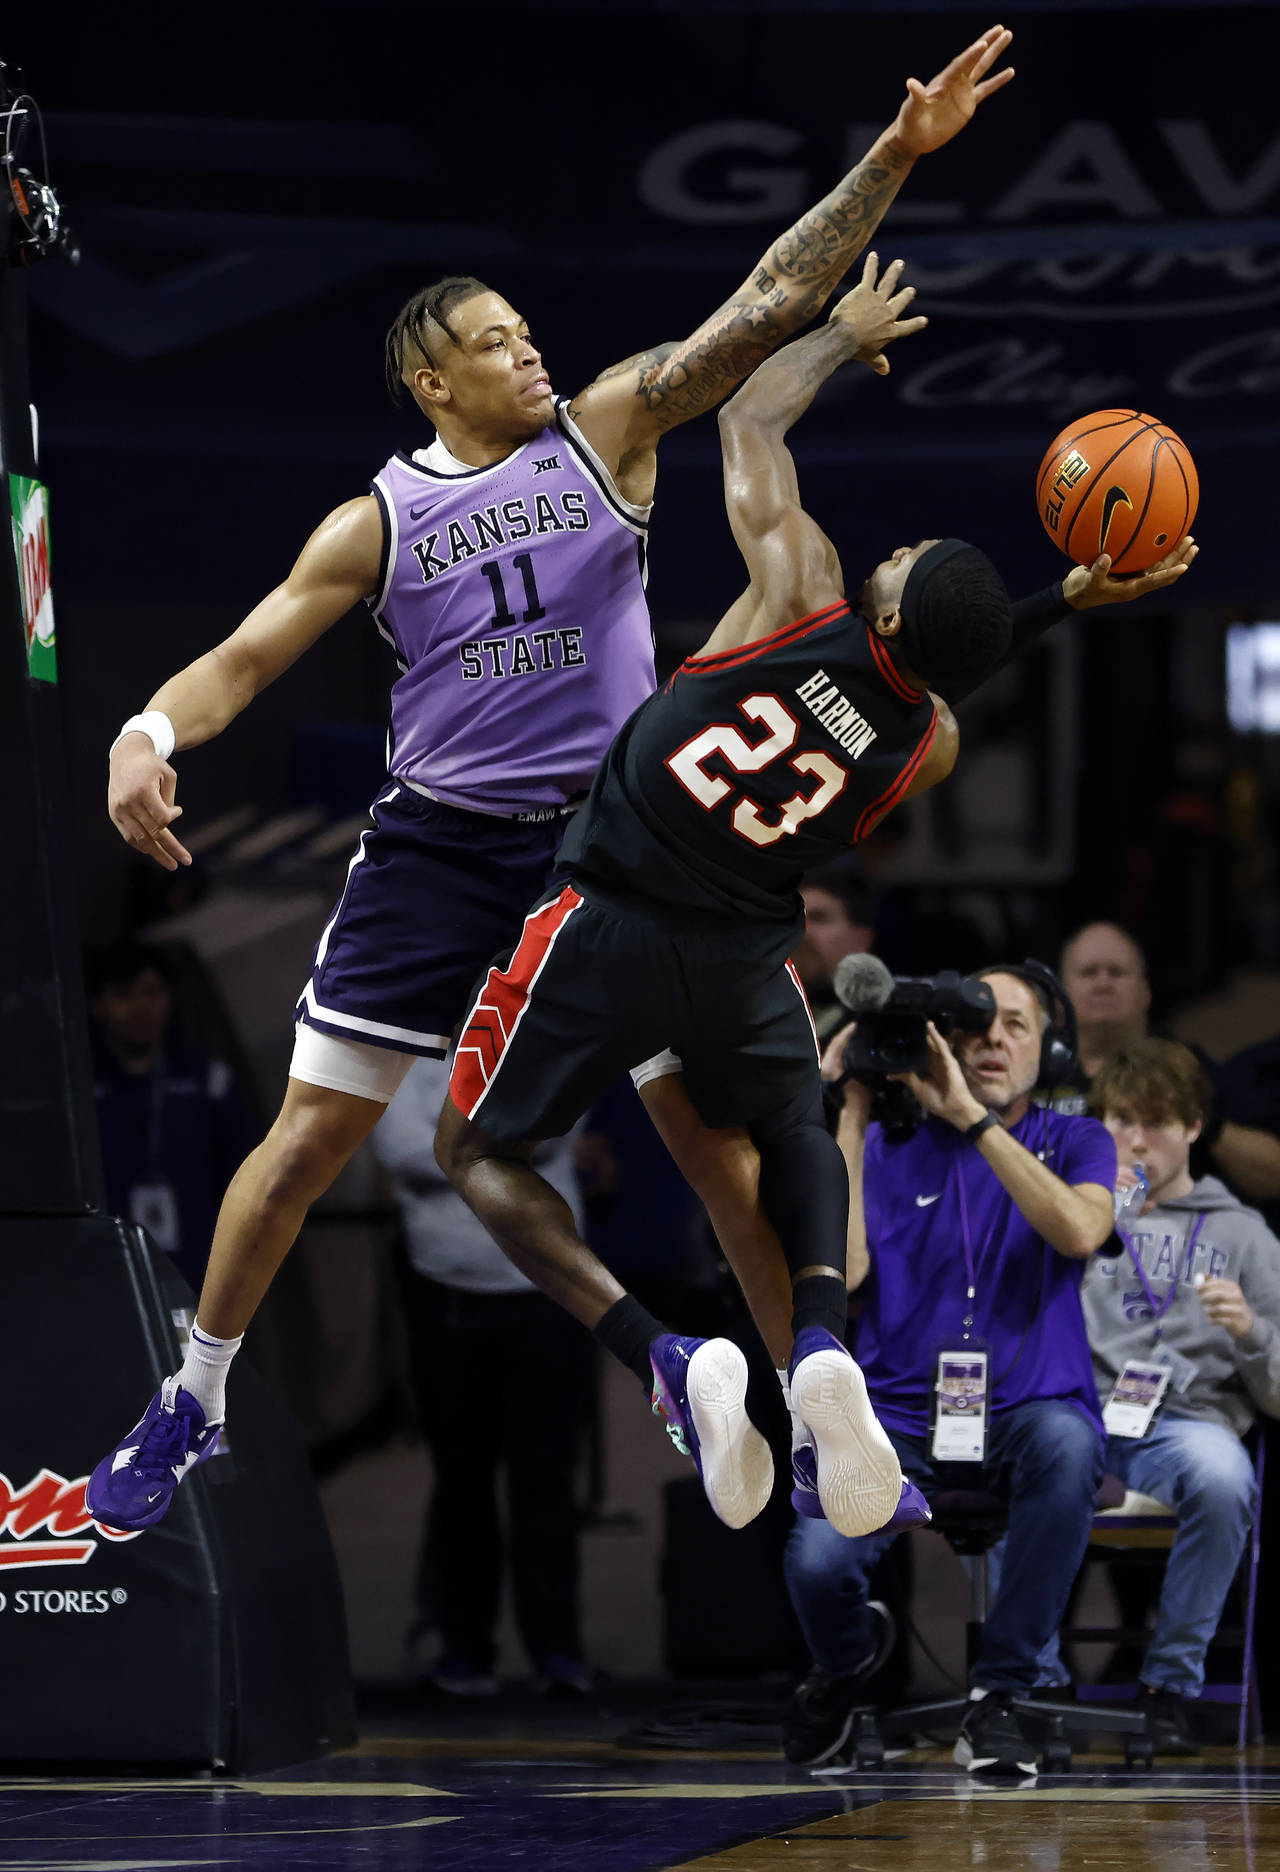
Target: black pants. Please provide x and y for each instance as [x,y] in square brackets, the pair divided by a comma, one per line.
[502,1382]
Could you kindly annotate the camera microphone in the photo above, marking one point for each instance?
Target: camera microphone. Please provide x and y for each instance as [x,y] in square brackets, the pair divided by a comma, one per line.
[862,983]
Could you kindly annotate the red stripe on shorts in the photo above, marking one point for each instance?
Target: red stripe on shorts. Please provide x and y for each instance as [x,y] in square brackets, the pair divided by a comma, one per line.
[493,1020]
[794,973]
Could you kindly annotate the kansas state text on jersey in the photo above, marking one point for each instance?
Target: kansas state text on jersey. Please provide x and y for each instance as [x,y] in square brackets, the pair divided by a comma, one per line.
[750,767]
[514,598]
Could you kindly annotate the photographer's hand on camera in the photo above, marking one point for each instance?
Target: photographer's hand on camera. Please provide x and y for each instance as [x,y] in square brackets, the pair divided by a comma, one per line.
[942,1088]
[1073,1219]
[849,1094]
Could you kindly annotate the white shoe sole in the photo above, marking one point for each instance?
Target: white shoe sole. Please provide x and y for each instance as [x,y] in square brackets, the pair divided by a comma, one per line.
[859,1476]
[737,1467]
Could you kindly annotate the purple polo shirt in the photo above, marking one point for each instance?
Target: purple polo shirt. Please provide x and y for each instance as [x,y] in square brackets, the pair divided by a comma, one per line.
[1027,1311]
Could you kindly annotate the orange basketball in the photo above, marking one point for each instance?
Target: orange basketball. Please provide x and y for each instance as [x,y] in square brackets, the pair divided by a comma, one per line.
[1117,482]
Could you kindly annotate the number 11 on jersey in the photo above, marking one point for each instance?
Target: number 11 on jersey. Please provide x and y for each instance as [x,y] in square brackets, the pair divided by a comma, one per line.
[502,612]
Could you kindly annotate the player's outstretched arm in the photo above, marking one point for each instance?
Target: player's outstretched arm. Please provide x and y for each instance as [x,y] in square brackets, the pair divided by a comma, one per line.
[635,402]
[1082,589]
[792,566]
[337,567]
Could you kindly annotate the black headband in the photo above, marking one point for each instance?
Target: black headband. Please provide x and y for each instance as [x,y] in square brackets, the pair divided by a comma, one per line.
[920,574]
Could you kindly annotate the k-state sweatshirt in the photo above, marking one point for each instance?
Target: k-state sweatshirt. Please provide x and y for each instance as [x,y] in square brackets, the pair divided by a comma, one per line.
[1234,1378]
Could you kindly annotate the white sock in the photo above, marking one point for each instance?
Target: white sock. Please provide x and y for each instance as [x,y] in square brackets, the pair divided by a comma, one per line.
[204,1371]
[800,1432]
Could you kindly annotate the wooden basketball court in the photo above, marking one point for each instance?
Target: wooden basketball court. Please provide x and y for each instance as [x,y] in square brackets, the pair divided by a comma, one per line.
[553,1804]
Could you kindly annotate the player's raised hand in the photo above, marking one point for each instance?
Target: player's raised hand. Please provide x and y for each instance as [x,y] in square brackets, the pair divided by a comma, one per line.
[873,311]
[140,799]
[934,113]
[1086,586]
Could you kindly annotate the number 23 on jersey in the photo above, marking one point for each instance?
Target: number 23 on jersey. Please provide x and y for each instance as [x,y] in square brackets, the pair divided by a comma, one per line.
[744,757]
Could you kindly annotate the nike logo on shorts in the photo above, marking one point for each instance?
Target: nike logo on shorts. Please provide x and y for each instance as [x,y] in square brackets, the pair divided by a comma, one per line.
[922,1202]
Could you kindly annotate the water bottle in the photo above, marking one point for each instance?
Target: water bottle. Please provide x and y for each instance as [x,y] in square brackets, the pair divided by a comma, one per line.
[1128,1202]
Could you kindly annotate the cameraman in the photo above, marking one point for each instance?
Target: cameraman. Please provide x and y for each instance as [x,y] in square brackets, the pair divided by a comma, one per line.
[977,1228]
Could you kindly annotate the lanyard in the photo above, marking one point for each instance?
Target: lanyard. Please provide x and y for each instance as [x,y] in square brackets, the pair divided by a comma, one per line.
[970,1266]
[1161,1307]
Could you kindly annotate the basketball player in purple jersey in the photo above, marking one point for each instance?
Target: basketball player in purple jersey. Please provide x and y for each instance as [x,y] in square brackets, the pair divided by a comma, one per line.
[800,724]
[505,563]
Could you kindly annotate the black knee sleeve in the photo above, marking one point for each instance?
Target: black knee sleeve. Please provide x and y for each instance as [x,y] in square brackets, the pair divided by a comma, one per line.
[804,1186]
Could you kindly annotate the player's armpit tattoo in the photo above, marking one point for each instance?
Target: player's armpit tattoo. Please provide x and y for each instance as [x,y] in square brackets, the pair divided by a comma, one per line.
[638,367]
[836,231]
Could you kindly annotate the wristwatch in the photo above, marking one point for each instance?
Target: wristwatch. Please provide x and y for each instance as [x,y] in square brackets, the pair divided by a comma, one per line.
[978,1126]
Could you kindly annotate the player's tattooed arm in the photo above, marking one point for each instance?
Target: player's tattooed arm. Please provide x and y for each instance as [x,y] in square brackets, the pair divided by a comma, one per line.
[797,274]
[791,284]
[804,266]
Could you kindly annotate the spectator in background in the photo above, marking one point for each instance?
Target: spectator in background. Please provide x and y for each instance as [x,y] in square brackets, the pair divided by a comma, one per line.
[838,921]
[1195,1294]
[173,1122]
[470,1314]
[977,1227]
[1105,975]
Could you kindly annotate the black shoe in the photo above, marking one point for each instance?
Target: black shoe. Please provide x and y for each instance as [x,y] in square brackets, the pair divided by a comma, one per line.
[819,1717]
[1168,1721]
[991,1740]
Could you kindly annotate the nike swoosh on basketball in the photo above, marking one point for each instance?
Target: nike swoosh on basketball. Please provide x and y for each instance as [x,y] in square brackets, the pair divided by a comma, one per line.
[1110,501]
[922,1202]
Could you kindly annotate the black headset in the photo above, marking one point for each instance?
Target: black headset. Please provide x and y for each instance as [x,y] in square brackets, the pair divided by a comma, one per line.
[1059,1045]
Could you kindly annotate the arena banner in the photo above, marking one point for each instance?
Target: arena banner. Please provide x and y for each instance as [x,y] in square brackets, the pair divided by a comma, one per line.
[29,513]
[1106,232]
[1108,229]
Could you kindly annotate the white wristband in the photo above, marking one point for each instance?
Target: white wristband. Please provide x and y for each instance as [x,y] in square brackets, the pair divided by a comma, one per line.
[155,725]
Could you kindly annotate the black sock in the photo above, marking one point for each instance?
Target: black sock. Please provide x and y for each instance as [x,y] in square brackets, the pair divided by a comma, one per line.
[627,1330]
[820,1300]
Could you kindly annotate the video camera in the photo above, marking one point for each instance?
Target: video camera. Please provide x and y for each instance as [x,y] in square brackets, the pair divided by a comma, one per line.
[891,1037]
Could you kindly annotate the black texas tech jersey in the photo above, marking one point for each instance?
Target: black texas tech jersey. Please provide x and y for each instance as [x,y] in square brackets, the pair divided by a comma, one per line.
[752,766]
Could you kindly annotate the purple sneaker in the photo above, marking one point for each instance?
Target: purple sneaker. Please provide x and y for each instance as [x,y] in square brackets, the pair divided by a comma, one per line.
[132,1487]
[859,1478]
[804,1478]
[912,1509]
[700,1389]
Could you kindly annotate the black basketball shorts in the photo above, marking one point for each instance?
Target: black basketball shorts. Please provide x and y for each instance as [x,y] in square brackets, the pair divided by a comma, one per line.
[592,989]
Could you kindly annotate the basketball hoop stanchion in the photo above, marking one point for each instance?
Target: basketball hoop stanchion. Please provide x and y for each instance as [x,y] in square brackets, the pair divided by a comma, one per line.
[217,1638]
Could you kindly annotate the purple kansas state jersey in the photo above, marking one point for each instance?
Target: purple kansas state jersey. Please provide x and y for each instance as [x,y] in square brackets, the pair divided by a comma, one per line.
[514,597]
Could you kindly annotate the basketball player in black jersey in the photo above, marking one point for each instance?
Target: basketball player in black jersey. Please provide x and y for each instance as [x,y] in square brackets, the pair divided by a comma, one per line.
[798,727]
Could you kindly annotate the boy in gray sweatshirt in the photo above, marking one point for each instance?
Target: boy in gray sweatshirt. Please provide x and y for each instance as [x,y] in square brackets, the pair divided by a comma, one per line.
[1184,1326]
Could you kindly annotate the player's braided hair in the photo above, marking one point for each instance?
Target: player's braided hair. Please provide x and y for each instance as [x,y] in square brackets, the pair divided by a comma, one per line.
[431,306]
